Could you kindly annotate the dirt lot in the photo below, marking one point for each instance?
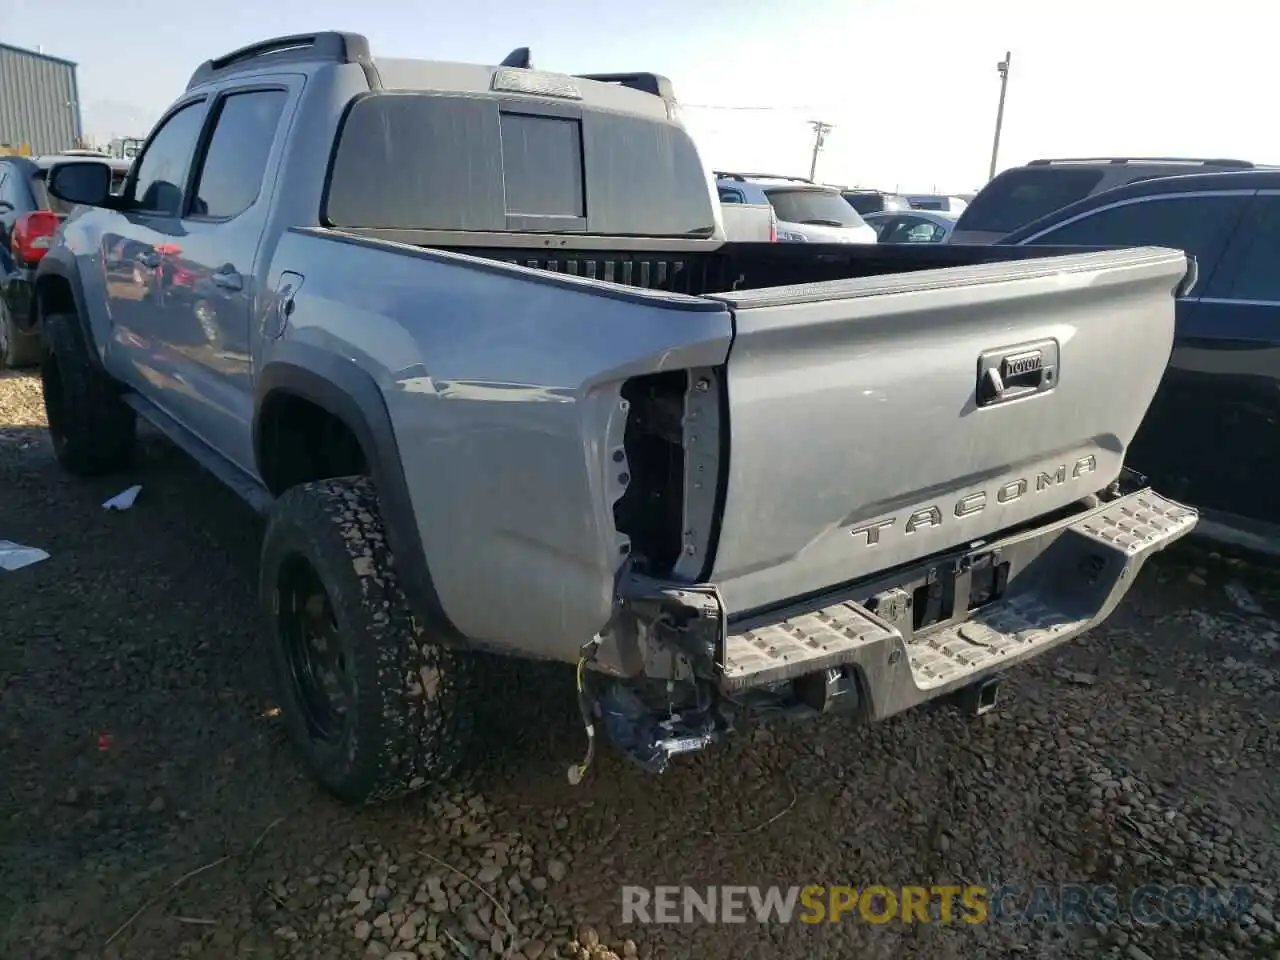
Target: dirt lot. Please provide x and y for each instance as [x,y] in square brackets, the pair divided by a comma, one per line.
[151,809]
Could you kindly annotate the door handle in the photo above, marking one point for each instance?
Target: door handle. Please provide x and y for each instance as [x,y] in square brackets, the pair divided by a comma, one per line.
[228,279]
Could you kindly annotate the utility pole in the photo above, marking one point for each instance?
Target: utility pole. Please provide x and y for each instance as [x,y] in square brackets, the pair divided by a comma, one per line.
[820,131]
[1003,68]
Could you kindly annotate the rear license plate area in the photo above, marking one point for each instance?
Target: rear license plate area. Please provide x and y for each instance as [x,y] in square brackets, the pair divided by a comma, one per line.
[953,591]
[988,578]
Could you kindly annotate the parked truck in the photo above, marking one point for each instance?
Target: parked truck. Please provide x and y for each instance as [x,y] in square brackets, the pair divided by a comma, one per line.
[501,386]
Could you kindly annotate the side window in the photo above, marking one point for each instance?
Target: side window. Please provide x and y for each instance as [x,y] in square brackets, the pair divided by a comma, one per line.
[162,170]
[888,228]
[730,196]
[235,163]
[1197,225]
[4,175]
[1249,271]
[900,232]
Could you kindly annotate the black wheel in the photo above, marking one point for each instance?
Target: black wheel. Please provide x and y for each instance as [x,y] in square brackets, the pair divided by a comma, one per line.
[375,708]
[92,428]
[18,348]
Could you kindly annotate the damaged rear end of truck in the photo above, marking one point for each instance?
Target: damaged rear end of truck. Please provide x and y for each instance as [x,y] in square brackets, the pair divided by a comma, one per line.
[504,386]
[895,488]
[723,476]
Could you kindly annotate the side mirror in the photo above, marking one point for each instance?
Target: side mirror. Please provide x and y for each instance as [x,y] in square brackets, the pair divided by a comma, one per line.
[86,182]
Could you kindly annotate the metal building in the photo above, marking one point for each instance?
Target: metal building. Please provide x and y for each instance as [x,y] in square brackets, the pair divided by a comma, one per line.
[39,102]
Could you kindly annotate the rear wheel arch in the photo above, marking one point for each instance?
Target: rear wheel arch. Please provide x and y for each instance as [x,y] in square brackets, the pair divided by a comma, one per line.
[299,437]
[323,388]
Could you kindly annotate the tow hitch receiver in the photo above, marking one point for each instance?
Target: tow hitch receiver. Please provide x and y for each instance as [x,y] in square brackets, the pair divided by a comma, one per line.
[978,698]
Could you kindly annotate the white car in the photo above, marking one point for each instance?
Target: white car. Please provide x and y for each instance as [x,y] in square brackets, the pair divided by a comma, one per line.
[807,212]
[749,222]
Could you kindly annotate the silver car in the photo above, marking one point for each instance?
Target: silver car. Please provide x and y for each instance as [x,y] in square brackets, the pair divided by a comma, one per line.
[807,212]
[914,226]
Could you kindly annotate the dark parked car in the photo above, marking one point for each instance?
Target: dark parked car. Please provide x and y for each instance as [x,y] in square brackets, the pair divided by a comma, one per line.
[29,218]
[1211,434]
[1021,195]
[874,201]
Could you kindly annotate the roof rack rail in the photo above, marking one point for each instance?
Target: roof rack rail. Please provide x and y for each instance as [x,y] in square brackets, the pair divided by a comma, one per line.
[330,45]
[759,176]
[1217,162]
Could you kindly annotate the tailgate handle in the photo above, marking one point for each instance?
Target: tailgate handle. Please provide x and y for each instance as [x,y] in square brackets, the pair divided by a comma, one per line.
[1012,373]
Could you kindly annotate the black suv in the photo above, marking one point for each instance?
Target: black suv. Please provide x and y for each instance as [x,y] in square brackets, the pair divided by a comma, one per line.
[1020,195]
[1211,433]
[29,217]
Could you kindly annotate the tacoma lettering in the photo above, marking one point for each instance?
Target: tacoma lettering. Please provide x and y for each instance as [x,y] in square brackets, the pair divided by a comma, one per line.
[974,503]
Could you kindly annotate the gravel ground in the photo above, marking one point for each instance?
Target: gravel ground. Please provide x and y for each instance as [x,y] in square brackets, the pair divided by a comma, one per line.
[152,809]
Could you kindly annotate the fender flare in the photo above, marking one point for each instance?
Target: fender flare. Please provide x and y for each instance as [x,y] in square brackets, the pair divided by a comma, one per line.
[60,262]
[347,392]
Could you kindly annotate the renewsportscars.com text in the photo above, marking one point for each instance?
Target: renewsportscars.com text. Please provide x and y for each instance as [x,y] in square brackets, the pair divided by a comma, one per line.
[1008,904]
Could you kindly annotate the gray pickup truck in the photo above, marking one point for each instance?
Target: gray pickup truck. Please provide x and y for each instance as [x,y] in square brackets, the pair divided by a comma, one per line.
[473,340]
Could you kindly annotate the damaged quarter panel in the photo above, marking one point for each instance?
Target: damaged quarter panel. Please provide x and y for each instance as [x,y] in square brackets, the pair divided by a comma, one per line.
[509,449]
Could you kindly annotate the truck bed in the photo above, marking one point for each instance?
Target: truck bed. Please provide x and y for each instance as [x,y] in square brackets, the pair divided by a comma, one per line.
[844,432]
[757,266]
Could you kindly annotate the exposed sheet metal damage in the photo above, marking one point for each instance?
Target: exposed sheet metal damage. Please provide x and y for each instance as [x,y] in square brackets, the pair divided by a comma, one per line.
[671,672]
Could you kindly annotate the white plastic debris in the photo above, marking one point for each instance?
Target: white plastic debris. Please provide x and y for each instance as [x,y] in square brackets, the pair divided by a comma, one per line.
[14,556]
[124,499]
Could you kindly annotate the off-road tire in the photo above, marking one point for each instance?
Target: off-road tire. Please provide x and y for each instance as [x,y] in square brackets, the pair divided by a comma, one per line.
[412,714]
[18,348]
[93,430]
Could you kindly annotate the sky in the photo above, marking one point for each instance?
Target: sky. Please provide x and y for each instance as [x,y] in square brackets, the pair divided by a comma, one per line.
[910,86]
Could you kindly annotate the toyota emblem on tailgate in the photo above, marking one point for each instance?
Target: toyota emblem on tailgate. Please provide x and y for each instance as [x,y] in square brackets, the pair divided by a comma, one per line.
[1021,364]
[1017,371]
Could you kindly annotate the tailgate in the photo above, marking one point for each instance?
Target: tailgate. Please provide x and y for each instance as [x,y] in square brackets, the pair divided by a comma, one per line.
[868,429]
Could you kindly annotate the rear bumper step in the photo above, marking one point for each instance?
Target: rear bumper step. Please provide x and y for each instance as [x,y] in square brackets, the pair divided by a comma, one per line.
[1051,584]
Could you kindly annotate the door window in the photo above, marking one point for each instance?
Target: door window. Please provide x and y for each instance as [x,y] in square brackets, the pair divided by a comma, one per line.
[7,192]
[1019,196]
[1197,224]
[889,228]
[162,170]
[923,232]
[911,230]
[1251,270]
[235,163]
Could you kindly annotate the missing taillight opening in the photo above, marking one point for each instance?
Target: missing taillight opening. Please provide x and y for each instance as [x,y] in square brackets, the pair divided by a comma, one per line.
[651,511]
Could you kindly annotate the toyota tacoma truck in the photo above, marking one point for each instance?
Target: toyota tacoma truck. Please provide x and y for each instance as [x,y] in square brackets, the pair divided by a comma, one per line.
[474,341]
